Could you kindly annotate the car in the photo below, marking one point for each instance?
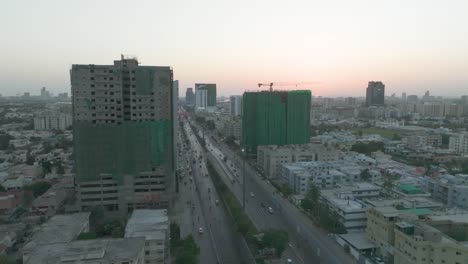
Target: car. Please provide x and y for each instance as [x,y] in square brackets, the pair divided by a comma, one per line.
[252,194]
[216,201]
[262,204]
[270,210]
[200,230]
[289,261]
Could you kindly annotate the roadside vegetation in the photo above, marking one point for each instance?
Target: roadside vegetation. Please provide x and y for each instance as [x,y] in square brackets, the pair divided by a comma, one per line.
[266,243]
[386,133]
[320,212]
[183,251]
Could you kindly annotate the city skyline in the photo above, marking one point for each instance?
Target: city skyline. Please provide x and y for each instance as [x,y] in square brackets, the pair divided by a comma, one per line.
[420,47]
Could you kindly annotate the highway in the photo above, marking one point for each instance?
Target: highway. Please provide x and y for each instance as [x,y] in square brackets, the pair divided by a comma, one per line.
[308,243]
[197,208]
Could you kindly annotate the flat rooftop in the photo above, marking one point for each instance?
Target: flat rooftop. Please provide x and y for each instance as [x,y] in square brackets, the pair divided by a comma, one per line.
[387,211]
[151,224]
[88,251]
[59,229]
[456,218]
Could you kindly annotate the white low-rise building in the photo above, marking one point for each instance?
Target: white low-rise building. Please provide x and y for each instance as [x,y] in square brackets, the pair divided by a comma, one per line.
[50,120]
[459,143]
[153,225]
[271,157]
[351,212]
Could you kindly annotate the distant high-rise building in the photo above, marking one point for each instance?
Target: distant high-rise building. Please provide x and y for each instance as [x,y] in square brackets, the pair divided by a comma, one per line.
[44,93]
[375,95]
[26,95]
[124,136]
[205,96]
[350,101]
[236,105]
[190,97]
[403,96]
[275,118]
[62,96]
[412,98]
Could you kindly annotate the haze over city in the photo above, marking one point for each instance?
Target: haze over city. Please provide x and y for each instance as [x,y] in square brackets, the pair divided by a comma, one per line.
[412,46]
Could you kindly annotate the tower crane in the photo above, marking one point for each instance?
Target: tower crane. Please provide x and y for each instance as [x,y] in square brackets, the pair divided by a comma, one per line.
[283,84]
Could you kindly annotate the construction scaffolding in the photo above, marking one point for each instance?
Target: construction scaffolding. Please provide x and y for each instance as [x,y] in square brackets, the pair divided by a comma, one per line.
[275,118]
[129,148]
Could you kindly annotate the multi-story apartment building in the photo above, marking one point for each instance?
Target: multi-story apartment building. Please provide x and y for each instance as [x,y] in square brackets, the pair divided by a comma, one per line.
[153,225]
[380,225]
[236,105]
[270,158]
[459,143]
[232,126]
[49,120]
[124,117]
[450,190]
[375,94]
[298,176]
[205,96]
[421,243]
[350,213]
[190,97]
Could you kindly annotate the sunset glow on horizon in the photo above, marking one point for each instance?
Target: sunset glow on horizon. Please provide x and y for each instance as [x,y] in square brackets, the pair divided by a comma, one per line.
[339,45]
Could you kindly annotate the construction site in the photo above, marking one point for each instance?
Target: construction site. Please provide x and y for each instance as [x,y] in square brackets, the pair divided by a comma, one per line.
[275,118]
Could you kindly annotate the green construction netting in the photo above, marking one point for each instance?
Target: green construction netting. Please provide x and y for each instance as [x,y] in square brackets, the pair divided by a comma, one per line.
[298,117]
[275,118]
[211,94]
[128,148]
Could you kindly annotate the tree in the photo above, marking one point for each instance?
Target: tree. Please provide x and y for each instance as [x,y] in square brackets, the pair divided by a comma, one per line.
[5,140]
[87,235]
[174,234]
[46,147]
[38,188]
[359,133]
[46,167]
[187,251]
[307,204]
[29,158]
[313,194]
[4,259]
[396,136]
[277,239]
[365,175]
[368,148]
[60,168]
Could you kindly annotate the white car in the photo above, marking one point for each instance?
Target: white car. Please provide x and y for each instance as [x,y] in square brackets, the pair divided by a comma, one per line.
[200,230]
[252,194]
[270,210]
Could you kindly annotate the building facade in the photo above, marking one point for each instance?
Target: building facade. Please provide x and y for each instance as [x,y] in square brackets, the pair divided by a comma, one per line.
[153,225]
[236,105]
[190,97]
[275,118]
[271,157]
[205,96]
[48,121]
[459,142]
[124,136]
[375,95]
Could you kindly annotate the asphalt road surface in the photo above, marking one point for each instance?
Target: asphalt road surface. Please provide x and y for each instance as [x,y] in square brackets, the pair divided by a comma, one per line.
[308,243]
[219,242]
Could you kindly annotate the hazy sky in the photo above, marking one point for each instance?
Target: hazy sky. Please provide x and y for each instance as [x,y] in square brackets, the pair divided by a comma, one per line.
[410,45]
